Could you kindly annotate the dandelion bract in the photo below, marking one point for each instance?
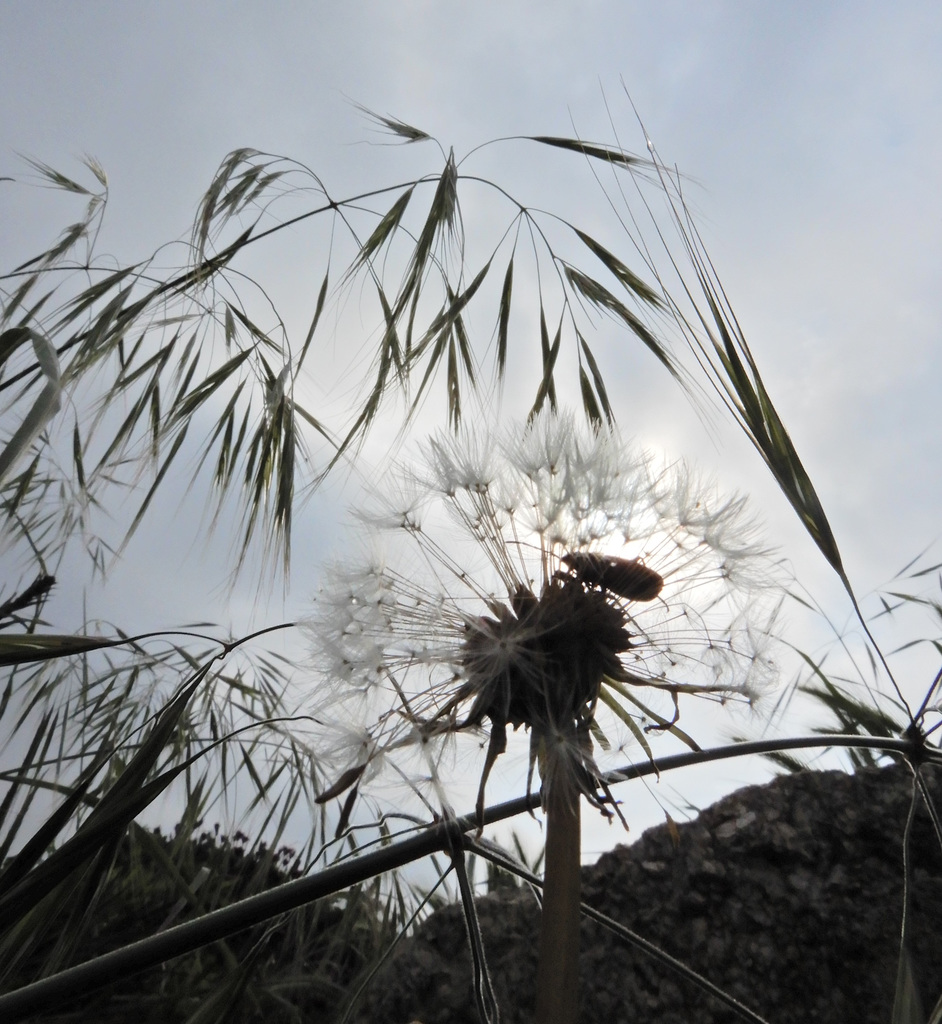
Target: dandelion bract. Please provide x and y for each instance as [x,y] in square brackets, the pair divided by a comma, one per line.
[548,578]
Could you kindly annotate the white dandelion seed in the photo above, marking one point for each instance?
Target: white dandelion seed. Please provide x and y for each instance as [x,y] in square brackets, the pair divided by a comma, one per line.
[539,578]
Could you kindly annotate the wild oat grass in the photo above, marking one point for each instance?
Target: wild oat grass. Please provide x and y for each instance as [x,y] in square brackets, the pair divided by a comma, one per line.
[182,357]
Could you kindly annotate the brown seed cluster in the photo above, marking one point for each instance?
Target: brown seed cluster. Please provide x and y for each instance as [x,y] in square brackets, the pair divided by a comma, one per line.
[539,661]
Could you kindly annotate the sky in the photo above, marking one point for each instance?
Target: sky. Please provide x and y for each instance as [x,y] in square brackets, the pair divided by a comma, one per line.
[810,132]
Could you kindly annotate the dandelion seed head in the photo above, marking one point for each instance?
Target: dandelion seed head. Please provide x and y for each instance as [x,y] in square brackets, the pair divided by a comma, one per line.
[559,581]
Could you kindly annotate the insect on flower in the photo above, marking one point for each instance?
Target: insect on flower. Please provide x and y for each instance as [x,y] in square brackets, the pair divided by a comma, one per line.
[535,580]
[626,577]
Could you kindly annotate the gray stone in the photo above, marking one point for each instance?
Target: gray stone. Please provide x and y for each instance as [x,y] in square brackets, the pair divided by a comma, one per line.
[788,896]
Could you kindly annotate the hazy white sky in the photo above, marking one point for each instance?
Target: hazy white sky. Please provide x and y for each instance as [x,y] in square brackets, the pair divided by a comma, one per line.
[812,130]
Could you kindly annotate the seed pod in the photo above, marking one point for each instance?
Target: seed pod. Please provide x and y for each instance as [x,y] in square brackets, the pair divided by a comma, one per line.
[626,577]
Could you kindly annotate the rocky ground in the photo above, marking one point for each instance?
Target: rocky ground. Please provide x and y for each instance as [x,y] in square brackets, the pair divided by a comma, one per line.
[789,896]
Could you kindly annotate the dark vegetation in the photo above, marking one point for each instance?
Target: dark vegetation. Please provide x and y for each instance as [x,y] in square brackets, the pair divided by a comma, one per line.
[297,967]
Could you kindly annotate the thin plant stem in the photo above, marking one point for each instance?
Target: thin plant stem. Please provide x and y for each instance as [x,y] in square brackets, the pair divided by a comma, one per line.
[557,977]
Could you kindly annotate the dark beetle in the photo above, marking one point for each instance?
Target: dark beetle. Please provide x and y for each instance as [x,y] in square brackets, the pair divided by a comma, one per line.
[626,577]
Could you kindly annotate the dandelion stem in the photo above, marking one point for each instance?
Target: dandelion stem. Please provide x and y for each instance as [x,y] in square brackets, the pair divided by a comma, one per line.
[557,979]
